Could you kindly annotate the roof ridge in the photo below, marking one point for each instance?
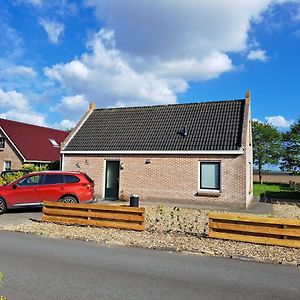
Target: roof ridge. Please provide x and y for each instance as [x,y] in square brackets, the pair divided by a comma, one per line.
[27,124]
[172,104]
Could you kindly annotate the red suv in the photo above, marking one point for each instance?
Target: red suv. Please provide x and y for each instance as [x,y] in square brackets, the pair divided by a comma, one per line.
[34,188]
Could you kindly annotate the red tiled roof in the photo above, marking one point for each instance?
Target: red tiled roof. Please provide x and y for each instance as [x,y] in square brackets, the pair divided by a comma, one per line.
[33,141]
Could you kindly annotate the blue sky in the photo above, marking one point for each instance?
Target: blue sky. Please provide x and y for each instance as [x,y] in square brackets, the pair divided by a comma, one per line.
[57,56]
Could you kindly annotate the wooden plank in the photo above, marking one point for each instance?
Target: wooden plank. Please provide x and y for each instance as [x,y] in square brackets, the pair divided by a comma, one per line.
[255,229]
[94,206]
[92,214]
[122,225]
[255,239]
[247,218]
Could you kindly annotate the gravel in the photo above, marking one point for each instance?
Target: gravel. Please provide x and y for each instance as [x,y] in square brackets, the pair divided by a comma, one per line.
[174,229]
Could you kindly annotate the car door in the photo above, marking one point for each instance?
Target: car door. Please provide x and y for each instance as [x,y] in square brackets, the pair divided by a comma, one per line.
[26,191]
[52,187]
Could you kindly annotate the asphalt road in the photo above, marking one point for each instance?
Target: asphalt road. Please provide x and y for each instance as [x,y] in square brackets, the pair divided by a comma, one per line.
[19,216]
[45,268]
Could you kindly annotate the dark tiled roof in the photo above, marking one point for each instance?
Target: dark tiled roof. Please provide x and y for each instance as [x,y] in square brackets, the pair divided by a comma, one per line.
[33,141]
[209,126]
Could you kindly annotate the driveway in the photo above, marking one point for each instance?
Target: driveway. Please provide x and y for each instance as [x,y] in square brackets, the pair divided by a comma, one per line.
[20,216]
[46,268]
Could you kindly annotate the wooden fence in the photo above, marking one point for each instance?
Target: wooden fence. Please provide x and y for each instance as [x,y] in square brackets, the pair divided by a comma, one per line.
[114,216]
[260,230]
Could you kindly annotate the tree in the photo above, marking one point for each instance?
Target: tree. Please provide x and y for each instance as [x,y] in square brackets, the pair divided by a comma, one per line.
[267,147]
[291,149]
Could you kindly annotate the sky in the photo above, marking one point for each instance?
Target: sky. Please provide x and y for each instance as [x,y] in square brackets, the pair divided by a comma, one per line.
[58,56]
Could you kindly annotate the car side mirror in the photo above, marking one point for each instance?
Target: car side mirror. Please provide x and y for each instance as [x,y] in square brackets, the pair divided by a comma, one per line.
[14,186]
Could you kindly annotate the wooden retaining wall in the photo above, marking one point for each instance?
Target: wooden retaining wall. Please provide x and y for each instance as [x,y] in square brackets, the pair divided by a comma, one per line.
[253,229]
[114,216]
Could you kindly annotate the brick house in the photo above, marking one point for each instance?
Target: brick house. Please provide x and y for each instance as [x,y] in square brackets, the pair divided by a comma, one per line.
[197,152]
[22,143]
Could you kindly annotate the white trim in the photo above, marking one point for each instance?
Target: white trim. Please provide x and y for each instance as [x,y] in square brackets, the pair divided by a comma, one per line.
[38,161]
[29,204]
[81,122]
[62,162]
[13,144]
[104,179]
[219,152]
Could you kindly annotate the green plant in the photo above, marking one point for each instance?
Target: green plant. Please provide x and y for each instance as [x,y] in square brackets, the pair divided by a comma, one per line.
[26,168]
[1,282]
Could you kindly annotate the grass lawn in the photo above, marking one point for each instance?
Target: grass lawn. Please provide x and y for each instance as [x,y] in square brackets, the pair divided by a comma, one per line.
[278,191]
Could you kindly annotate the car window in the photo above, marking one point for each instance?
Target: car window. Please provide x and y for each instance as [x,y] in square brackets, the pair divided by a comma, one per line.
[54,179]
[31,180]
[71,179]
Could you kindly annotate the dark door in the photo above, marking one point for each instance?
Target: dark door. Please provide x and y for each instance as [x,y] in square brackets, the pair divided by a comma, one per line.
[112,179]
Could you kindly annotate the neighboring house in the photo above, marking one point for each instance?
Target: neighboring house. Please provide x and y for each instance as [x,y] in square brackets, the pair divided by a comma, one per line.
[22,143]
[197,152]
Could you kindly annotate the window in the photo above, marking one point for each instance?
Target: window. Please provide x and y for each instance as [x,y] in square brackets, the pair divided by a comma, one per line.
[32,180]
[71,179]
[53,142]
[7,165]
[210,175]
[2,142]
[54,179]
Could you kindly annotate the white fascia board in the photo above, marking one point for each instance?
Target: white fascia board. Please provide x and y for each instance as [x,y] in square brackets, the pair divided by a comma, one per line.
[38,161]
[88,113]
[216,152]
[16,148]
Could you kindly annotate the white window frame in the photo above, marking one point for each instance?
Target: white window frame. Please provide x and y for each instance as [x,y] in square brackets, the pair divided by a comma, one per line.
[220,176]
[54,143]
[4,165]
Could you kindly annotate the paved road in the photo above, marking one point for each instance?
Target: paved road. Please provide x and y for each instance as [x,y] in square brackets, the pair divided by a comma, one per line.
[41,268]
[19,216]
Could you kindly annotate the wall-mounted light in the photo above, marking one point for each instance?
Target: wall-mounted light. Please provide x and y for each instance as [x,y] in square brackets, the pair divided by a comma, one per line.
[148,161]
[122,166]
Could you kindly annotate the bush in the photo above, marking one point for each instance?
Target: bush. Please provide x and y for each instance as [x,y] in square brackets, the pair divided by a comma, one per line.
[26,168]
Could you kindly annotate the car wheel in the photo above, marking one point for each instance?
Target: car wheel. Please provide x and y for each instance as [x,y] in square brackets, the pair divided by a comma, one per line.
[3,206]
[68,199]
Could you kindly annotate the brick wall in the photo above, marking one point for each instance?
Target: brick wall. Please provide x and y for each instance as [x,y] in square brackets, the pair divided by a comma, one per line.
[9,153]
[166,177]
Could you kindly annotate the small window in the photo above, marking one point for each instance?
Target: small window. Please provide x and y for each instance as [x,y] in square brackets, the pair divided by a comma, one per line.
[32,180]
[2,142]
[53,142]
[7,165]
[54,179]
[71,179]
[210,175]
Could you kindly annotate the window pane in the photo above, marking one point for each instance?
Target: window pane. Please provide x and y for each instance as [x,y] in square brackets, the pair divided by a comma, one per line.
[7,165]
[54,179]
[32,180]
[2,142]
[71,179]
[210,176]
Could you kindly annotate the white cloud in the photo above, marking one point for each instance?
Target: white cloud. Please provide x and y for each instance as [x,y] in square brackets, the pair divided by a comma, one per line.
[18,71]
[105,76]
[66,124]
[257,55]
[147,53]
[35,2]
[71,104]
[11,43]
[15,106]
[53,29]
[279,121]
